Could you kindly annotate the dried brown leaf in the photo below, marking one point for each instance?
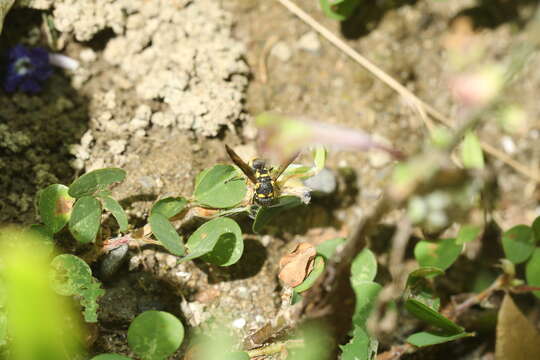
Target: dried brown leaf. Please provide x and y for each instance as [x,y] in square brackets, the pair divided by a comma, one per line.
[297,265]
[517,338]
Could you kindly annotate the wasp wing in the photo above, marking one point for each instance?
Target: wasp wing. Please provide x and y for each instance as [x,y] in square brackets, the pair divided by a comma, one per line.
[285,165]
[246,169]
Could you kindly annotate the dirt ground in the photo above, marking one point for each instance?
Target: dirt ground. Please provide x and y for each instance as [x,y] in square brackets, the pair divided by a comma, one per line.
[251,56]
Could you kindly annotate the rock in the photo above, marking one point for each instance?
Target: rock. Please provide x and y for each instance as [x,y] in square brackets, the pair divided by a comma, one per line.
[116,147]
[322,184]
[281,51]
[112,261]
[309,42]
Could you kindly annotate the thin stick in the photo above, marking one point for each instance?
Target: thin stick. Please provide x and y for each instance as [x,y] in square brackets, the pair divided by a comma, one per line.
[412,99]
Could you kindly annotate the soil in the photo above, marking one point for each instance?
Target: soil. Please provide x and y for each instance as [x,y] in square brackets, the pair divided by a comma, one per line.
[165,115]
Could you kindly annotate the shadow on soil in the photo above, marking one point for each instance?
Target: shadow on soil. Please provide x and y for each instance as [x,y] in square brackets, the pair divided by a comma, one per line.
[35,130]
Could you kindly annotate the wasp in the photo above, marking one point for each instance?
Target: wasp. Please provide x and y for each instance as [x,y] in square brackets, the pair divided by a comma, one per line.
[263,178]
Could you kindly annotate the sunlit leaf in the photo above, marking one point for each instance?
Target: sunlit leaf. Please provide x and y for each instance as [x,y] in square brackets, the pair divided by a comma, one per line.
[518,243]
[440,254]
[424,338]
[471,152]
[366,293]
[361,347]
[364,266]
[467,233]
[166,233]
[218,240]
[117,211]
[72,276]
[309,281]
[169,206]
[223,186]
[328,248]
[432,317]
[155,335]
[85,219]
[266,214]
[54,206]
[339,9]
[95,180]
[532,270]
[536,229]
[110,357]
[43,237]
[419,288]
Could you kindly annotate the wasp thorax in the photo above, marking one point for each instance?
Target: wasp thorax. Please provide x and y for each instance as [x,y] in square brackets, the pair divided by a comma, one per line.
[259,164]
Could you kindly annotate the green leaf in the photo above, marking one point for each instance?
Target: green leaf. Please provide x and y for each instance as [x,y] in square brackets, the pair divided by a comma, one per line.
[236,355]
[467,233]
[536,229]
[319,158]
[366,293]
[3,329]
[424,338]
[419,288]
[471,152]
[221,187]
[432,317]
[166,233]
[219,241]
[440,254]
[155,335]
[518,243]
[54,205]
[328,248]
[361,347]
[318,268]
[364,266]
[89,300]
[265,214]
[532,270]
[169,206]
[85,219]
[110,357]
[339,9]
[72,276]
[116,209]
[95,180]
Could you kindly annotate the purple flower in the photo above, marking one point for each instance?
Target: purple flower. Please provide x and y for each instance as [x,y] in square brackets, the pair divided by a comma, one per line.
[26,69]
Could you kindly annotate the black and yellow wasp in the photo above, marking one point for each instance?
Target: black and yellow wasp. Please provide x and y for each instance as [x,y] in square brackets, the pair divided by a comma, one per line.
[263,178]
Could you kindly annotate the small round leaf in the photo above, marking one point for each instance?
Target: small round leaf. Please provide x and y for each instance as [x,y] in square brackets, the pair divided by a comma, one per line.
[221,187]
[54,205]
[518,243]
[169,206]
[219,241]
[440,254]
[424,338]
[90,182]
[110,357]
[532,270]
[328,248]
[155,335]
[117,211]
[85,219]
[364,266]
[70,274]
[166,234]
[432,317]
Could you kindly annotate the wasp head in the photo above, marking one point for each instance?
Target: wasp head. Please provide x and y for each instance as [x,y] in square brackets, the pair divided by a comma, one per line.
[259,164]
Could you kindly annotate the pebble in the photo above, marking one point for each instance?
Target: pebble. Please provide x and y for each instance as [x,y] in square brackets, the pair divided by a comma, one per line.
[508,144]
[324,183]
[282,51]
[239,323]
[116,147]
[112,261]
[309,42]
[87,55]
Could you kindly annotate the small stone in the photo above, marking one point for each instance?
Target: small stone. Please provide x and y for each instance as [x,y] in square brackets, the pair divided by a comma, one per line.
[116,147]
[324,183]
[281,51]
[508,144]
[239,323]
[87,55]
[309,42]
[112,261]
[163,119]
